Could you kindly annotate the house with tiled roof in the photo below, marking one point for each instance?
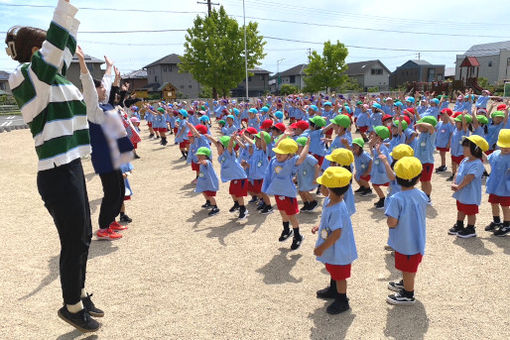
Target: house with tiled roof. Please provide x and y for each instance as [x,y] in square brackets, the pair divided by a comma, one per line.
[369,74]
[4,82]
[258,84]
[492,61]
[293,76]
[416,71]
[93,64]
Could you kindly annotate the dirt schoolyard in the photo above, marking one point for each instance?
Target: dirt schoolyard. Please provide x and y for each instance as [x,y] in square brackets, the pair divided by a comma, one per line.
[177,274]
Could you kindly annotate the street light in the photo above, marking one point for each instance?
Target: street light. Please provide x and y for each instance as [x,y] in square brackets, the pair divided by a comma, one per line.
[278,73]
[245,51]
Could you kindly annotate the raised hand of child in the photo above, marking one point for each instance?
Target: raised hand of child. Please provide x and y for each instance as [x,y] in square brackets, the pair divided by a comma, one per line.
[455,187]
[315,229]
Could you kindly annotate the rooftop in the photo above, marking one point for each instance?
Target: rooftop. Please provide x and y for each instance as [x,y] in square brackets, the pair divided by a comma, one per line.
[138,74]
[89,59]
[487,49]
[360,67]
[293,71]
[4,75]
[169,59]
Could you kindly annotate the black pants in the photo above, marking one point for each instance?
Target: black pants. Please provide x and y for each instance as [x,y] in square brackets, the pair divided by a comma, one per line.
[113,197]
[64,193]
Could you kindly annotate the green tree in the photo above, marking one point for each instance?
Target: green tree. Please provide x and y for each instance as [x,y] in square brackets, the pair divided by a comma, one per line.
[350,85]
[287,89]
[326,71]
[214,51]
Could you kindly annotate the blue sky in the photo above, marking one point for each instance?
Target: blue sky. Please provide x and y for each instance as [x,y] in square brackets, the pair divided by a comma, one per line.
[470,18]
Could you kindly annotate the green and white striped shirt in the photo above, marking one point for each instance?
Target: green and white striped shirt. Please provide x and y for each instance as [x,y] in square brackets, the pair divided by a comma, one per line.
[50,104]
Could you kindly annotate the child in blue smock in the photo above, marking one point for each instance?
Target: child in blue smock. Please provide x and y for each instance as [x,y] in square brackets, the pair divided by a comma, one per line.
[126,169]
[467,186]
[341,125]
[197,138]
[363,167]
[378,174]
[229,129]
[498,185]
[363,121]
[398,136]
[401,151]
[278,182]
[307,172]
[498,121]
[343,158]
[335,246]
[406,212]
[444,130]
[424,151]
[233,172]
[207,182]
[181,136]
[316,134]
[459,132]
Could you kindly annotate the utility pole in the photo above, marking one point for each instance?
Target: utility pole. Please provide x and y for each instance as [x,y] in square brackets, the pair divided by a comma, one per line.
[245,51]
[209,6]
[278,80]
[419,55]
[309,51]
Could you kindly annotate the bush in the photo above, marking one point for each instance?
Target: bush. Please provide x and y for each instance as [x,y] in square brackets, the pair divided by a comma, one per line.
[6,99]
[287,89]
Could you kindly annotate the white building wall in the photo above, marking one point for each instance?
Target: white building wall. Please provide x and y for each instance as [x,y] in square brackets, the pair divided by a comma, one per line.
[381,80]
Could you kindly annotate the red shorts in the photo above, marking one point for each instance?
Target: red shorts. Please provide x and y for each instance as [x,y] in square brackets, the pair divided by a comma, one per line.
[501,200]
[442,149]
[209,193]
[161,129]
[457,159]
[407,263]
[363,129]
[135,145]
[184,144]
[287,204]
[149,124]
[329,133]
[318,158]
[127,198]
[381,185]
[238,187]
[339,272]
[256,187]
[426,174]
[365,178]
[195,166]
[468,209]
[175,130]
[488,152]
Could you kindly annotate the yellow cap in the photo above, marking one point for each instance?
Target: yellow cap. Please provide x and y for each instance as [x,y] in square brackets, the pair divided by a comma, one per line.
[504,138]
[480,142]
[335,177]
[402,150]
[408,167]
[341,156]
[286,146]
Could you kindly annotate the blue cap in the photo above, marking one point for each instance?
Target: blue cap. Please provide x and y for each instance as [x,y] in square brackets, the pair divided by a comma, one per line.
[278,114]
[410,99]
[435,101]
[348,109]
[183,112]
[236,111]
[204,119]
[328,104]
[264,109]
[377,105]
[314,108]
[231,116]
[399,104]
[253,110]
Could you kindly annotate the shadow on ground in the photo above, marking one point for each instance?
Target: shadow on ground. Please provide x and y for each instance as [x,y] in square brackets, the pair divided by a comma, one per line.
[407,322]
[394,274]
[330,326]
[97,249]
[473,245]
[277,271]
[76,334]
[221,232]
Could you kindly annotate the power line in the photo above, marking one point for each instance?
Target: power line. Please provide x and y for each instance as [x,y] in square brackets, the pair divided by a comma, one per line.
[209,6]
[107,9]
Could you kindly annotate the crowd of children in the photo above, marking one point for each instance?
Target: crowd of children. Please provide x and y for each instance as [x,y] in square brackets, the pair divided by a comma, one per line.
[315,154]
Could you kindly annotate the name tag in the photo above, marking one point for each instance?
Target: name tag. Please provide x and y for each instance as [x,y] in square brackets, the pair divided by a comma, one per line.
[423,144]
[324,233]
[377,162]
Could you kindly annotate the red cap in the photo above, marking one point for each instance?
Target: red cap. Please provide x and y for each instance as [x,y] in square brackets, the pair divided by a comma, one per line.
[251,130]
[266,124]
[385,117]
[448,111]
[190,134]
[191,112]
[411,110]
[456,114]
[280,126]
[293,126]
[407,120]
[301,124]
[225,111]
[501,107]
[201,128]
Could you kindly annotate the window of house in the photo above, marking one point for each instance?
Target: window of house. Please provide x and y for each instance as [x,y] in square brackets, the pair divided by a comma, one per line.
[156,79]
[190,86]
[261,77]
[170,68]
[182,86]
[165,69]
[249,79]
[376,71]
[292,79]
[490,63]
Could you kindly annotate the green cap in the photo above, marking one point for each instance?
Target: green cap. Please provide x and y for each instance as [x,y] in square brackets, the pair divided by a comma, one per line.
[382,132]
[482,119]
[498,114]
[204,151]
[267,137]
[359,142]
[429,120]
[404,124]
[302,141]
[221,122]
[468,118]
[359,102]
[341,120]
[162,110]
[319,121]
[224,140]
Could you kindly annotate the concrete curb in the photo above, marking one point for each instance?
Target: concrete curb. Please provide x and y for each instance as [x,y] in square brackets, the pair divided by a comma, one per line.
[14,127]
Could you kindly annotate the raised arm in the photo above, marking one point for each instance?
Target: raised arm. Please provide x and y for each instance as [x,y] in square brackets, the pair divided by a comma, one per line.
[304,153]
[94,113]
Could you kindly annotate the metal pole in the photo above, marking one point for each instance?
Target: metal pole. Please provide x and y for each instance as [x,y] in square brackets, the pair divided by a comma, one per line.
[278,73]
[245,51]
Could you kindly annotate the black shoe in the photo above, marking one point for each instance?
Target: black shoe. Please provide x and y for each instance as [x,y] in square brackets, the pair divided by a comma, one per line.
[157,137]
[328,292]
[492,226]
[151,135]
[318,192]
[455,229]
[312,205]
[442,168]
[366,192]
[360,190]
[213,211]
[296,242]
[305,207]
[90,307]
[125,219]
[338,306]
[206,205]
[396,286]
[254,199]
[285,235]
[467,232]
[81,320]
[161,141]
[234,207]
[243,214]
[400,299]
[267,210]
[261,205]
[136,156]
[502,231]
[164,142]
[485,174]
[449,179]
[379,204]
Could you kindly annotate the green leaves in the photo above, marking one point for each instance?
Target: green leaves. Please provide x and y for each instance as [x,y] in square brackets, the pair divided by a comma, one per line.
[326,71]
[214,51]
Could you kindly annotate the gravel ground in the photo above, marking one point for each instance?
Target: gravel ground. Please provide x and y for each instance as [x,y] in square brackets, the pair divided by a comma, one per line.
[177,274]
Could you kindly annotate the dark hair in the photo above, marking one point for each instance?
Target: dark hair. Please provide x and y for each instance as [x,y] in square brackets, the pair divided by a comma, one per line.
[339,191]
[25,39]
[407,183]
[348,167]
[475,149]
[97,83]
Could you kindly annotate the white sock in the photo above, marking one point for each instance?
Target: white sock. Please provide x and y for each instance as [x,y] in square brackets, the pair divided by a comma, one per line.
[83,294]
[77,307]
